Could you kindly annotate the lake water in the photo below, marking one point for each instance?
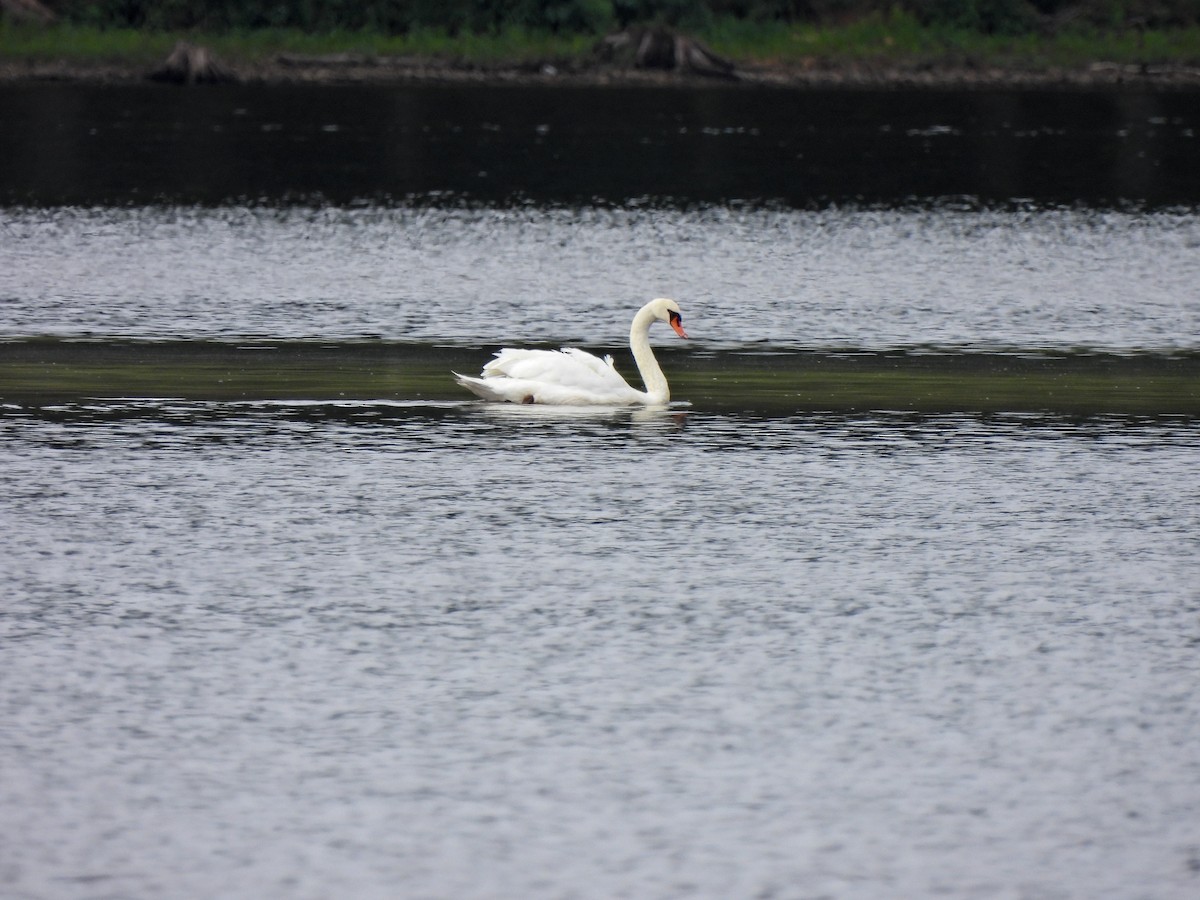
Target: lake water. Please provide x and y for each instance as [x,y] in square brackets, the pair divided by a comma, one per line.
[70,144]
[318,624]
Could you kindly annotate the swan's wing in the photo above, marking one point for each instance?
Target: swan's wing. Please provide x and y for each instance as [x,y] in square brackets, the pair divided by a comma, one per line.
[569,368]
[601,368]
[561,377]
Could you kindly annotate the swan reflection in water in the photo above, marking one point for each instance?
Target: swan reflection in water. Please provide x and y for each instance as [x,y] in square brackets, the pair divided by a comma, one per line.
[674,415]
[573,377]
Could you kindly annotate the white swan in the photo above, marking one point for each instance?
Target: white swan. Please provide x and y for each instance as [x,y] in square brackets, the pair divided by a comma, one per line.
[571,377]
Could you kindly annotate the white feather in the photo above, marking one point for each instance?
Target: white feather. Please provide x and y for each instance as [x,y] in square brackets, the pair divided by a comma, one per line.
[574,377]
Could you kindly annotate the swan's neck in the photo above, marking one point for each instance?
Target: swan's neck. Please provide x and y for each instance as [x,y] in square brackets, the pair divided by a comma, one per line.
[657,391]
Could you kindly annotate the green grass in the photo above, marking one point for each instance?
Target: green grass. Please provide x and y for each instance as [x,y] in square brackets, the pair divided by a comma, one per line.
[82,45]
[900,39]
[896,39]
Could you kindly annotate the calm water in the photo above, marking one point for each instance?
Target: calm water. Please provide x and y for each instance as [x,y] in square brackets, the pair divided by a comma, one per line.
[395,647]
[114,145]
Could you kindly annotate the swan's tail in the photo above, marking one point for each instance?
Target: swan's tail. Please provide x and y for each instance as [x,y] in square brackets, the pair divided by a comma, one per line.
[479,387]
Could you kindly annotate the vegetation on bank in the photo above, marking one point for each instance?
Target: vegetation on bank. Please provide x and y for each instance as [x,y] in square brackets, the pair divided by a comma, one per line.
[597,16]
[796,33]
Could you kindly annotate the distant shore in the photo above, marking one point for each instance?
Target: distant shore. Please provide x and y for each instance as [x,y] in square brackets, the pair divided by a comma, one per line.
[348,69]
[880,53]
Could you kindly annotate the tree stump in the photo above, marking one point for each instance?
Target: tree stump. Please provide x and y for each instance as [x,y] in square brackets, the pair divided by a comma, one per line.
[667,50]
[27,11]
[189,64]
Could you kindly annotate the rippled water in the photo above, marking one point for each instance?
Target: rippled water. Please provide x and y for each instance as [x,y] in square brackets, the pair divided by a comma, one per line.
[444,650]
[274,641]
[851,277]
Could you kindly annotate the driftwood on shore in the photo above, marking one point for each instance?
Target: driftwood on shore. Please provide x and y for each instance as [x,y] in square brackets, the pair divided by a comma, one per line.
[189,64]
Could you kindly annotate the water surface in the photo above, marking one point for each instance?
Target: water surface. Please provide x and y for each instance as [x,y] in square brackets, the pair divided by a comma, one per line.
[302,649]
[866,279]
[73,144]
[897,599]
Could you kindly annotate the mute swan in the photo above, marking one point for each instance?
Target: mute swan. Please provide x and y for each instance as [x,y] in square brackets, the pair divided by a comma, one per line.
[571,377]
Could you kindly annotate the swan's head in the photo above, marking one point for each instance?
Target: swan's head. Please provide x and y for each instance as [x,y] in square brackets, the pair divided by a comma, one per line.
[668,311]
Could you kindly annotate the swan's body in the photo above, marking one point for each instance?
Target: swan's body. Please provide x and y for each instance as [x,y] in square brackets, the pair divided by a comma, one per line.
[571,377]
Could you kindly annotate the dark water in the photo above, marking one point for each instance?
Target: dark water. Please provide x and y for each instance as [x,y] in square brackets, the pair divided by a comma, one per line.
[116,145]
[898,601]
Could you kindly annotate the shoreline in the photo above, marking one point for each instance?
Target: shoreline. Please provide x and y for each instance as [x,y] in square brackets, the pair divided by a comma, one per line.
[343,69]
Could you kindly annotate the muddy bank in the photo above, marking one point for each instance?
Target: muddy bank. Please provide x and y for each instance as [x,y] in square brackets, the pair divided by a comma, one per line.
[351,69]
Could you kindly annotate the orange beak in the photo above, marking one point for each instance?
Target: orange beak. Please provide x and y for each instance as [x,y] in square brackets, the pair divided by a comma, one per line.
[677,324]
